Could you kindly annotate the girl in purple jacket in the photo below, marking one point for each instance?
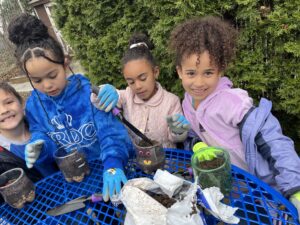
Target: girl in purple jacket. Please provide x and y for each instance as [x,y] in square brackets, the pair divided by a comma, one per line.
[203,48]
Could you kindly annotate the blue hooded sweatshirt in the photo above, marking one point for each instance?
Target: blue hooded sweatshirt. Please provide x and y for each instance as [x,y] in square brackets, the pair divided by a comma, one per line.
[70,121]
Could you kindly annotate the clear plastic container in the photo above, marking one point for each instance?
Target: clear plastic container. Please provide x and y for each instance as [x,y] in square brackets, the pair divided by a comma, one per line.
[73,164]
[215,172]
[17,188]
[149,158]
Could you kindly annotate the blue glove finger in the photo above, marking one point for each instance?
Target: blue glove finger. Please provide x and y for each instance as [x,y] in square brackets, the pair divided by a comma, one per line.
[26,153]
[29,165]
[105,191]
[39,142]
[30,154]
[175,117]
[103,98]
[176,120]
[186,126]
[181,119]
[28,149]
[176,124]
[30,160]
[112,187]
[102,91]
[179,125]
[109,100]
[118,186]
[109,108]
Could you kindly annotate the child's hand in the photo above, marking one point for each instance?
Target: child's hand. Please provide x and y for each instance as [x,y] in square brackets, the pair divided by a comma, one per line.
[295,199]
[178,124]
[112,180]
[107,98]
[32,152]
[207,154]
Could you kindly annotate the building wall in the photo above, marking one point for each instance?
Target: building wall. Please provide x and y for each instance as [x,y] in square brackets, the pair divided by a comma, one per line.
[42,15]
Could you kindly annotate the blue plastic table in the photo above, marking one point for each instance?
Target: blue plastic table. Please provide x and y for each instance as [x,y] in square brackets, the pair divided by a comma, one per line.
[257,202]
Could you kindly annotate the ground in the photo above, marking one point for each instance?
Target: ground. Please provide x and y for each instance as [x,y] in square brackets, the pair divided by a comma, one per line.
[10,73]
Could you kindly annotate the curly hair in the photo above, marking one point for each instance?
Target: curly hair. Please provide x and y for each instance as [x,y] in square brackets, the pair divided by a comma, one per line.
[31,37]
[198,35]
[139,48]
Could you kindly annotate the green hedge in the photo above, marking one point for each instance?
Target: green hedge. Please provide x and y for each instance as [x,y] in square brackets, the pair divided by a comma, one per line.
[267,63]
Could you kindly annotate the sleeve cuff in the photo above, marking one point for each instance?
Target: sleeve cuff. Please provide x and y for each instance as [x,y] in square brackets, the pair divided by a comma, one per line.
[112,162]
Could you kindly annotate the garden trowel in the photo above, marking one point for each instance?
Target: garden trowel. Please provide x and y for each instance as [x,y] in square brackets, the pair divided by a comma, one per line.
[74,205]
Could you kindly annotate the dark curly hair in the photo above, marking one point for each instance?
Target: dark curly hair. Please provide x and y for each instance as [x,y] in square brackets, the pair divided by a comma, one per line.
[139,48]
[31,37]
[198,35]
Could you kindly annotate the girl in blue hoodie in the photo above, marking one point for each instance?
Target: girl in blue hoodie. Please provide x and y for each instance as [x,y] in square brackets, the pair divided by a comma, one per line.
[59,110]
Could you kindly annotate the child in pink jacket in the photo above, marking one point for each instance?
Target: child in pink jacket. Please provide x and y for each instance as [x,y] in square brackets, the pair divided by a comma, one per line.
[154,111]
[224,116]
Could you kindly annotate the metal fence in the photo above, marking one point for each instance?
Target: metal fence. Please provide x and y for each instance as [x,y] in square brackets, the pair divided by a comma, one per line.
[8,10]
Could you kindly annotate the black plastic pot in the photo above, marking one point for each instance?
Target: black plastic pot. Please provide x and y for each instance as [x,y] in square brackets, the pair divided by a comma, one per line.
[73,165]
[16,188]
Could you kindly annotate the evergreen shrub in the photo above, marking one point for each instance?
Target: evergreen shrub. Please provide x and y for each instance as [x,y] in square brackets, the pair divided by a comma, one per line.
[267,62]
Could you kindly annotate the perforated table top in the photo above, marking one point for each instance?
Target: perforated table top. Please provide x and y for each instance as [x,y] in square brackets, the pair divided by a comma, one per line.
[257,202]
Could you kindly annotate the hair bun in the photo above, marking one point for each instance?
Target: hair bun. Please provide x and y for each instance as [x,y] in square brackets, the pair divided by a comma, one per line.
[26,28]
[141,38]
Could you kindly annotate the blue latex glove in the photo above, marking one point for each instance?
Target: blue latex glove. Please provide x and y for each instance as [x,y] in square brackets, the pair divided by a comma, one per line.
[178,124]
[295,200]
[32,152]
[112,180]
[108,97]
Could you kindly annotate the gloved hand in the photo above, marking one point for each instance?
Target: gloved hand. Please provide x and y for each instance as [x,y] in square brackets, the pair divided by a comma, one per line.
[206,155]
[112,179]
[107,97]
[178,124]
[32,152]
[295,200]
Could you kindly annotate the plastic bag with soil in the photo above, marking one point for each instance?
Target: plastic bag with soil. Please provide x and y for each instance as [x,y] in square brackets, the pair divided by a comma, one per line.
[166,200]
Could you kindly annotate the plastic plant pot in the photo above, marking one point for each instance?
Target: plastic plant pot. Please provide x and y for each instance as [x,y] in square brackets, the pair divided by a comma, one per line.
[149,157]
[73,164]
[16,188]
[215,172]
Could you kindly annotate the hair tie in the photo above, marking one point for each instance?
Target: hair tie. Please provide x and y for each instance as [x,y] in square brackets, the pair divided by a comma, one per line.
[138,44]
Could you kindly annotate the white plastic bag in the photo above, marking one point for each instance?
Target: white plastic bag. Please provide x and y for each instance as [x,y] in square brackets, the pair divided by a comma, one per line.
[218,209]
[181,213]
[142,209]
